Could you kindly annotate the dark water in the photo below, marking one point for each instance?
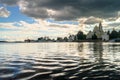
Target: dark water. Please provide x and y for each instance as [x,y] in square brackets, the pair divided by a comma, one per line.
[60,61]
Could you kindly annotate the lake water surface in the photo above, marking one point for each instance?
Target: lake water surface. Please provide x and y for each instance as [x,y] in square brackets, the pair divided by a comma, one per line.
[60,61]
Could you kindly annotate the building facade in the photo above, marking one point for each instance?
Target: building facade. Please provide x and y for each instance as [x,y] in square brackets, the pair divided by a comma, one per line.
[100,34]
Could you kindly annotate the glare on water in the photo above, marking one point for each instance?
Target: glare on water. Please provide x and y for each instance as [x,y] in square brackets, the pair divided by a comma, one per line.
[60,61]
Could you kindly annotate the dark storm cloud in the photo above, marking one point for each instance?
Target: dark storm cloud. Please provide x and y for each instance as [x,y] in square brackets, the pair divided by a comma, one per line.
[9,2]
[68,9]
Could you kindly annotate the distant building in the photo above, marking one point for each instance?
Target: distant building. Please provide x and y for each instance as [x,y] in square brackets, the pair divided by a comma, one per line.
[71,38]
[105,36]
[98,31]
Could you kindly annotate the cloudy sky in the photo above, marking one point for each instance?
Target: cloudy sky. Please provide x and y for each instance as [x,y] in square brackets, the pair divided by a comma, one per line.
[21,19]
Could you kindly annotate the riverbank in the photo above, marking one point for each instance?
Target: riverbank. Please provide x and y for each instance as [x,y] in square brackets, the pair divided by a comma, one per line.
[58,41]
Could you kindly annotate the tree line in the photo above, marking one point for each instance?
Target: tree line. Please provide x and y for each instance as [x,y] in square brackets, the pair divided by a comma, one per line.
[114,34]
[80,36]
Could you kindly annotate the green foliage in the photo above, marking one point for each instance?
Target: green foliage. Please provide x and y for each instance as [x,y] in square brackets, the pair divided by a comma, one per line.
[114,34]
[65,39]
[94,37]
[59,39]
[81,36]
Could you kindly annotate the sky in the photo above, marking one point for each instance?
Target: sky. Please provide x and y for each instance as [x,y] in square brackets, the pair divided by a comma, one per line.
[23,19]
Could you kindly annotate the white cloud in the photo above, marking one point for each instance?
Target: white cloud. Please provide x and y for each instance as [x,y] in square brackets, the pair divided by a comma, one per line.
[34,30]
[4,12]
[45,28]
[58,10]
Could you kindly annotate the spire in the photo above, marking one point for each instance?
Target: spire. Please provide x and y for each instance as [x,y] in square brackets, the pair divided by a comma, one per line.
[100,27]
[100,24]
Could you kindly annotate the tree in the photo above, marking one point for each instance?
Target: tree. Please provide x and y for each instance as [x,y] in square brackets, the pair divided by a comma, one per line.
[65,39]
[114,34]
[41,38]
[108,32]
[59,39]
[119,34]
[94,37]
[81,36]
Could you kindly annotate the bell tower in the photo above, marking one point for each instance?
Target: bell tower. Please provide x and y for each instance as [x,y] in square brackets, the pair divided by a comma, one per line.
[100,27]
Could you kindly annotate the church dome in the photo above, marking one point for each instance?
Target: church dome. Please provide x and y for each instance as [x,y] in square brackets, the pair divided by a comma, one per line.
[96,29]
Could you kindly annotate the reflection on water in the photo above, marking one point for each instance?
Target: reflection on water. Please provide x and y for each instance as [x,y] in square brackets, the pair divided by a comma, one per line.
[60,61]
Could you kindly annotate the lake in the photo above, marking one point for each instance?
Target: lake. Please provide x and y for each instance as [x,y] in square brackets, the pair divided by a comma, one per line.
[60,61]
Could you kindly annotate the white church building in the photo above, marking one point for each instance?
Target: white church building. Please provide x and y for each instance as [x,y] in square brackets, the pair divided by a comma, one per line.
[98,31]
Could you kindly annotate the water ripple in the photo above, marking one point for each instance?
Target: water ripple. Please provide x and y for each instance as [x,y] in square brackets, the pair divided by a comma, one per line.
[61,66]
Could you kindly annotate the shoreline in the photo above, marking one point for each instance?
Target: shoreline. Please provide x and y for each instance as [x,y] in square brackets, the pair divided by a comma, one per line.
[62,41]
